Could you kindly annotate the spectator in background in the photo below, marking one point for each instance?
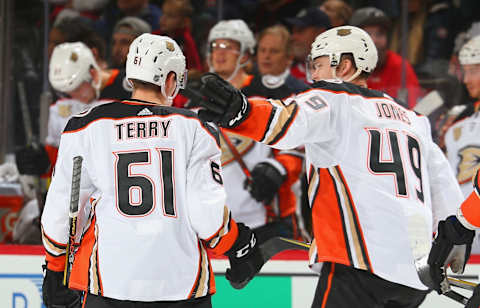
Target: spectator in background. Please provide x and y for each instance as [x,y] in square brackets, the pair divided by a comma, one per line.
[273,80]
[118,9]
[90,9]
[269,12]
[125,31]
[338,11]
[387,75]
[176,23]
[305,27]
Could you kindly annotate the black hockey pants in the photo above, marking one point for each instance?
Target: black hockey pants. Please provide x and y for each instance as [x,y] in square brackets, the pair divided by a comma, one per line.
[341,286]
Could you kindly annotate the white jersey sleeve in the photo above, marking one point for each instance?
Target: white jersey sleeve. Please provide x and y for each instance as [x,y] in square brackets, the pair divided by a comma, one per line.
[205,193]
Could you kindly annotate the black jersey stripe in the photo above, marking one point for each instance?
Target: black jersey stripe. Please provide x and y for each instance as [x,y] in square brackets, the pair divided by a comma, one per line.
[285,126]
[351,208]
[121,110]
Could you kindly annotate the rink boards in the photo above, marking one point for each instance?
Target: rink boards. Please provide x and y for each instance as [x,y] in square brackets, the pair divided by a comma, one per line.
[284,282]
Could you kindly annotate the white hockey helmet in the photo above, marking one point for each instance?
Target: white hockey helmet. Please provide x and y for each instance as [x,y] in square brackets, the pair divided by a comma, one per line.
[346,40]
[234,29]
[70,65]
[470,52]
[150,59]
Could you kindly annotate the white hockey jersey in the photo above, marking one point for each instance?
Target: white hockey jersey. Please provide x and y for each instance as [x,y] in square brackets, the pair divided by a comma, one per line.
[378,184]
[462,142]
[59,114]
[151,177]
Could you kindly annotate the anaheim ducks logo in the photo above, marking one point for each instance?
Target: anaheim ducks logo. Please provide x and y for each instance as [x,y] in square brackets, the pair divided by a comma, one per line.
[170,46]
[74,57]
[469,163]
[64,111]
[344,32]
[242,144]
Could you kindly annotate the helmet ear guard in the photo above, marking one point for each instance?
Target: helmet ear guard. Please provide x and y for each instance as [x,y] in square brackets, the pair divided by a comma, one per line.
[152,57]
[346,40]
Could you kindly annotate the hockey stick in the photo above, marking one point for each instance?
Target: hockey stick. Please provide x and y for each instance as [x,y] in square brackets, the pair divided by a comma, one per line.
[276,245]
[73,215]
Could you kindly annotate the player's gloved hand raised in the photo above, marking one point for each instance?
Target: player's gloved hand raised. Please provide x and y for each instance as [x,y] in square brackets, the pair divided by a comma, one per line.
[224,104]
[55,294]
[451,246]
[266,180]
[245,258]
[32,160]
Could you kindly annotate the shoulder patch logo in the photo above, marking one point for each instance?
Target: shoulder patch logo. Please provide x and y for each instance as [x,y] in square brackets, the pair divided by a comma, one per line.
[144,112]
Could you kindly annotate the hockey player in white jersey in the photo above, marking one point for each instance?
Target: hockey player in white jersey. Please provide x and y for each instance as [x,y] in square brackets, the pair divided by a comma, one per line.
[262,201]
[151,180]
[462,139]
[73,72]
[378,185]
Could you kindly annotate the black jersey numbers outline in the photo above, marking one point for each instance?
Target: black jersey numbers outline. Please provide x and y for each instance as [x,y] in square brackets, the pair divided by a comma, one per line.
[136,192]
[216,174]
[395,164]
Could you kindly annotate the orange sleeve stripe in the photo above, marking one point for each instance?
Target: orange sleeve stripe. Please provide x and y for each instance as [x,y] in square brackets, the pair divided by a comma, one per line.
[56,264]
[227,241]
[52,153]
[471,209]
[257,120]
[287,198]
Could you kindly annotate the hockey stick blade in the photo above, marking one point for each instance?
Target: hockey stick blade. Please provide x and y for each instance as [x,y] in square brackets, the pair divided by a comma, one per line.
[278,244]
[73,214]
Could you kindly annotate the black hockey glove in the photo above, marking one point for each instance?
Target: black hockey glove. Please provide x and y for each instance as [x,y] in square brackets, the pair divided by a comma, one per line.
[266,180]
[32,160]
[245,258]
[55,294]
[474,301]
[451,246]
[223,104]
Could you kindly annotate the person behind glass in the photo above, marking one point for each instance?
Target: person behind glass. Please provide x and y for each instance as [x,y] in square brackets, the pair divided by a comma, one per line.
[338,11]
[305,26]
[231,47]
[387,76]
[125,31]
[161,187]
[273,80]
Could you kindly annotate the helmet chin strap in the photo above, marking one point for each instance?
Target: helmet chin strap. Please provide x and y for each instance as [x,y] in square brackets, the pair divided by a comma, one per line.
[355,75]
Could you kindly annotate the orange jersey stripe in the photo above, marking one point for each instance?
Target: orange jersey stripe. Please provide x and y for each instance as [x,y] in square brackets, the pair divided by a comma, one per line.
[287,200]
[80,275]
[328,226]
[471,206]
[257,120]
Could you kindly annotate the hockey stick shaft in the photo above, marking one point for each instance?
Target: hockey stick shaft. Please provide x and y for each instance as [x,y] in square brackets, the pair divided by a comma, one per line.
[73,215]
[236,155]
[278,244]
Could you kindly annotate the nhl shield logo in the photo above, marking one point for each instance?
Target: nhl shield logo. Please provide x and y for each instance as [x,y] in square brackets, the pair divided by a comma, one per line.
[457,133]
[64,111]
[170,46]
[344,32]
